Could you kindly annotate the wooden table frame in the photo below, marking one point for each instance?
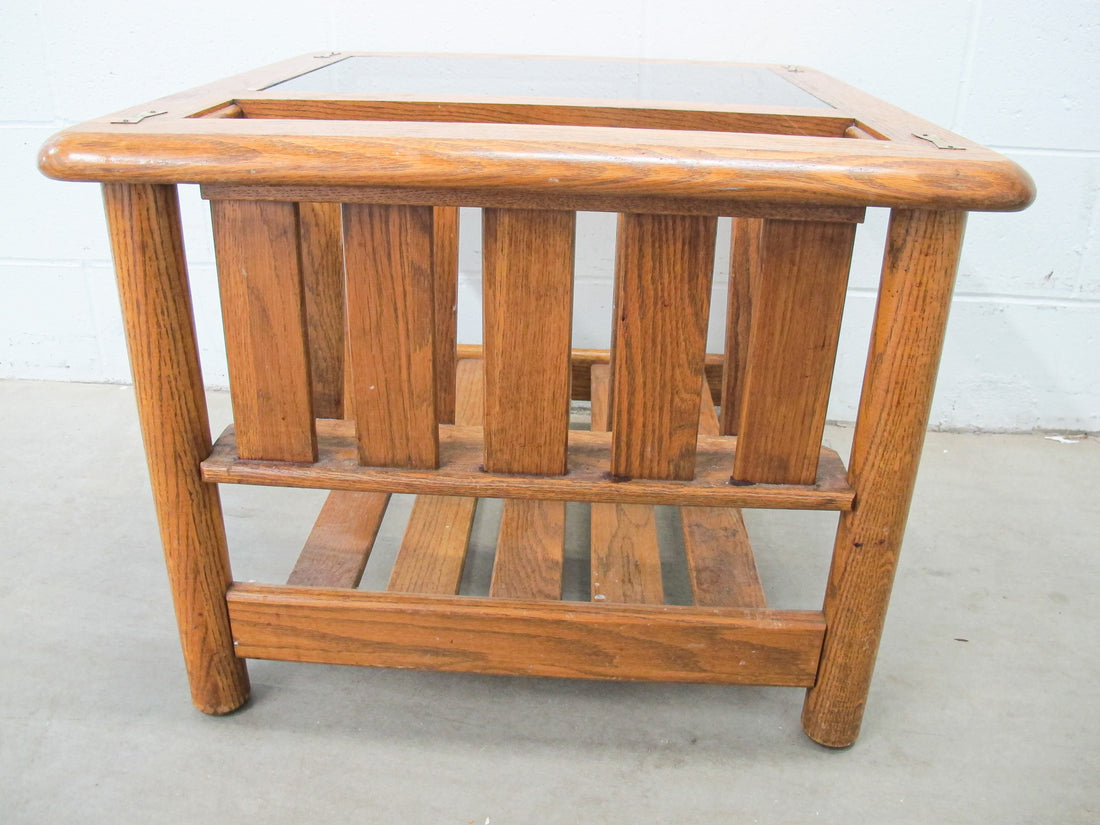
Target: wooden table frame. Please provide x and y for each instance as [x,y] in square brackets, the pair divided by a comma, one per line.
[294,178]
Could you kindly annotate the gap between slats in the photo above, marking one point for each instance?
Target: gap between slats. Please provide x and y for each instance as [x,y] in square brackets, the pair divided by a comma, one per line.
[323,289]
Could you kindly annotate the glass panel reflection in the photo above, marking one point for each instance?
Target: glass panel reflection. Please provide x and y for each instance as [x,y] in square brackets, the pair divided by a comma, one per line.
[380,76]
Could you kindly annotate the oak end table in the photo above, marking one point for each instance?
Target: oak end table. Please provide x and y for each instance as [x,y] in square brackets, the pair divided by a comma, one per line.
[334,183]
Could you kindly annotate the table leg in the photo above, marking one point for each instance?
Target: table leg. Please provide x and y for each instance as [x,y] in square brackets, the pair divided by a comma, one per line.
[918,273]
[147,242]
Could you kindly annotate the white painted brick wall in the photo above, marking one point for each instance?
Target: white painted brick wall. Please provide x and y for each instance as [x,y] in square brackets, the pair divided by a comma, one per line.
[1022,348]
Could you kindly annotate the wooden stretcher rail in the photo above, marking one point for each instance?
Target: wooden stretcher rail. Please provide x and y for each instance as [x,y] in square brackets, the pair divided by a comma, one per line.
[460,473]
[506,198]
[563,639]
[582,361]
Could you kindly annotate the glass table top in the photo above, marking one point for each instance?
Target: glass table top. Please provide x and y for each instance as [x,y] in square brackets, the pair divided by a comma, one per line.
[592,79]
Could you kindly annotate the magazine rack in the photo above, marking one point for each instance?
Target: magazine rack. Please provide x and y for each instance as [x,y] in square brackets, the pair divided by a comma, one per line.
[334,182]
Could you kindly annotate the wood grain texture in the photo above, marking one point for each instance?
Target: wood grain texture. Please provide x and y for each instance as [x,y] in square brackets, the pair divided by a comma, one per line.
[505,198]
[791,121]
[470,400]
[388,265]
[567,160]
[663,267]
[461,472]
[861,132]
[323,279]
[340,543]
[263,309]
[222,110]
[600,383]
[560,639]
[708,415]
[349,378]
[530,550]
[720,561]
[147,243]
[433,550]
[583,359]
[625,556]
[798,299]
[527,271]
[445,288]
[918,273]
[746,236]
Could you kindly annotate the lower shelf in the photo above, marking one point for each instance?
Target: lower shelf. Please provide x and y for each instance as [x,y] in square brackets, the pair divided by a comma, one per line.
[624,630]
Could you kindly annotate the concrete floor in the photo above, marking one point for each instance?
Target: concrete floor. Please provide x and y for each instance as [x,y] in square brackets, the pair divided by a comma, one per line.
[985,706]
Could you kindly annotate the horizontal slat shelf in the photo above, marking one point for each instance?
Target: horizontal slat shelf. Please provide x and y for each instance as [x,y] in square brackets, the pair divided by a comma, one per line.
[562,639]
[460,473]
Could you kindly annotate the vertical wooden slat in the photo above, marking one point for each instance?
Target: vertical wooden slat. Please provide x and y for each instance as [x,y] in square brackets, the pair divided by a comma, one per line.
[391,328]
[663,273]
[720,562]
[339,545]
[528,284]
[626,559]
[433,550]
[797,303]
[323,277]
[147,243]
[530,550]
[445,282]
[745,240]
[260,275]
[918,274]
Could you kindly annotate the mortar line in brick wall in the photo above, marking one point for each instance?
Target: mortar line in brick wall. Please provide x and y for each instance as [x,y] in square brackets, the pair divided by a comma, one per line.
[1048,151]
[967,74]
[71,263]
[1001,298]
[52,125]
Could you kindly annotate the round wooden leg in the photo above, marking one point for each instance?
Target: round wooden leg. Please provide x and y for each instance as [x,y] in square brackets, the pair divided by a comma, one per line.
[922,254]
[156,305]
